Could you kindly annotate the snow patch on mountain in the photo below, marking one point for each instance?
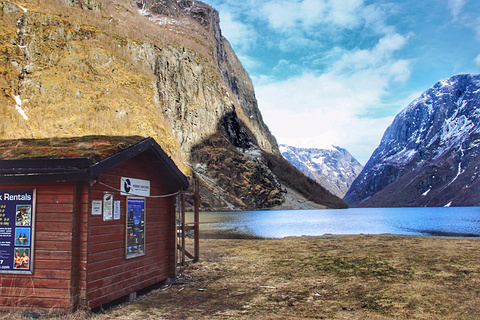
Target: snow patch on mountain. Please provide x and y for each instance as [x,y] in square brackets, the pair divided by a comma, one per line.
[18,107]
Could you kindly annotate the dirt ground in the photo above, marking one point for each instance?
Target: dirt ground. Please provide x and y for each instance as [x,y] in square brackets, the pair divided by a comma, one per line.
[329,277]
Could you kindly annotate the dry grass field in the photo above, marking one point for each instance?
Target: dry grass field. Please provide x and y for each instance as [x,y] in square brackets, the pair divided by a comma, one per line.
[329,277]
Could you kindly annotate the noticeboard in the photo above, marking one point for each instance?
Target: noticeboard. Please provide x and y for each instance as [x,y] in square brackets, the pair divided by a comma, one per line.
[135,238]
[17,230]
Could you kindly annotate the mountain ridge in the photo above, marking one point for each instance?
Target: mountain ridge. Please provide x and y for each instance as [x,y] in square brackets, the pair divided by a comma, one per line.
[334,168]
[428,155]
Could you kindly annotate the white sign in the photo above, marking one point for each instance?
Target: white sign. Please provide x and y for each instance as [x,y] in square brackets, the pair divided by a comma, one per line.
[116,210]
[97,207]
[135,187]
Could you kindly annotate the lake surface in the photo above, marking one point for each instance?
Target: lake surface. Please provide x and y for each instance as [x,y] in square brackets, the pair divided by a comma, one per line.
[454,222]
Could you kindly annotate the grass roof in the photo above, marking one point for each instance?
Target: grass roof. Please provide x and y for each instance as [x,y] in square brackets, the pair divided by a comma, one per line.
[96,148]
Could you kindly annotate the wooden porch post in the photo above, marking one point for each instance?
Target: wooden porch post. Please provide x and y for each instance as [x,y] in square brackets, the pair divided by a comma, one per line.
[183,229]
[196,205]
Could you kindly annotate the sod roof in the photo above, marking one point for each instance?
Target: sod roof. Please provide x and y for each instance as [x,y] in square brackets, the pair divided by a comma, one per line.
[77,158]
[95,148]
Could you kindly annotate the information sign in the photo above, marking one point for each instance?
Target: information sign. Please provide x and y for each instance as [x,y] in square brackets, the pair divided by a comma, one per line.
[134,187]
[17,221]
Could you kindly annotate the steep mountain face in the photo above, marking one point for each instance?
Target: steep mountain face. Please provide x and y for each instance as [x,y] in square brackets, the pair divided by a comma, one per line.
[229,69]
[158,68]
[333,168]
[429,156]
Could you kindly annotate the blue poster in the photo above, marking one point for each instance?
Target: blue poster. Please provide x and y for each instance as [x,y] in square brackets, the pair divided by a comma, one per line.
[17,212]
[135,227]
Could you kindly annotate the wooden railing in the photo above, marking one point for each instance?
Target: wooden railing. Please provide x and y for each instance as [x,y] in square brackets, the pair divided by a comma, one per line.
[183,228]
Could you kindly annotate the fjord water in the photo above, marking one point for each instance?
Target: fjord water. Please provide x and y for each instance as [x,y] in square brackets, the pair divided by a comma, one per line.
[454,222]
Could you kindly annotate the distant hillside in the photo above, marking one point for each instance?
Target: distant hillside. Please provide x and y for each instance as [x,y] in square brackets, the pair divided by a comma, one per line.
[430,155]
[333,168]
[158,68]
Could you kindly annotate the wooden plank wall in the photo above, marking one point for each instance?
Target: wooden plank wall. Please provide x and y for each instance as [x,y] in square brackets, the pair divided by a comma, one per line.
[110,274]
[50,285]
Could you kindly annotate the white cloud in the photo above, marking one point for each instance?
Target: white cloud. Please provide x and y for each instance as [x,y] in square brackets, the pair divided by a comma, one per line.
[380,55]
[335,104]
[377,67]
[313,24]
[247,61]
[241,35]
[390,43]
[455,7]
[345,13]
[282,65]
[308,15]
[281,15]
[326,106]
[477,60]
[326,124]
[400,70]
[286,14]
[475,25]
[375,15]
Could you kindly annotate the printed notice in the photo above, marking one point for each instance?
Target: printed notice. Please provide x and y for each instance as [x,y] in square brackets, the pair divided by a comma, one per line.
[97,207]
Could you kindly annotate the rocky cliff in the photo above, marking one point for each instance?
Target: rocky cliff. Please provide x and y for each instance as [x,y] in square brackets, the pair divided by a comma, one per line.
[157,68]
[429,156]
[334,168]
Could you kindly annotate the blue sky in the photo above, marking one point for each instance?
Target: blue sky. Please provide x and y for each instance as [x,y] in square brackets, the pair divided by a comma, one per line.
[338,71]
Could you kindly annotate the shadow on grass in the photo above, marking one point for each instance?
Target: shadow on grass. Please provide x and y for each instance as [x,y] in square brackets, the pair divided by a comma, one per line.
[227,234]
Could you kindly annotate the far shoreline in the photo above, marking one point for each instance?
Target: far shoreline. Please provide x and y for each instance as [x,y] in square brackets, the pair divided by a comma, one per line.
[238,235]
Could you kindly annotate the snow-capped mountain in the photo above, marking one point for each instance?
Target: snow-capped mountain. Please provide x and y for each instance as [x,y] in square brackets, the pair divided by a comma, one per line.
[429,156]
[334,168]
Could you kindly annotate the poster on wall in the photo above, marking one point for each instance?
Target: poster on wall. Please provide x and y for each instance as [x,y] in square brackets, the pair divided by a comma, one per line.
[135,238]
[17,221]
[107,206]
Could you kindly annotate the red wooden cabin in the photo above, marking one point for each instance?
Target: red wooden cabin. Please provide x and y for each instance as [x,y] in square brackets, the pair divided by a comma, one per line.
[100,223]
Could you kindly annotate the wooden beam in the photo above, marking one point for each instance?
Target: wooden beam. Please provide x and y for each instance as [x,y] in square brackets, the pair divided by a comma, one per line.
[196,214]
[183,230]
[188,254]
[175,246]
